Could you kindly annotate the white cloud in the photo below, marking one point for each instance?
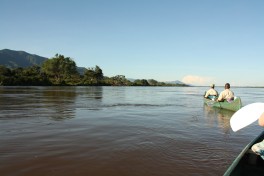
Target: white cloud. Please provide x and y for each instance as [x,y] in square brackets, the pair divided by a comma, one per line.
[197,80]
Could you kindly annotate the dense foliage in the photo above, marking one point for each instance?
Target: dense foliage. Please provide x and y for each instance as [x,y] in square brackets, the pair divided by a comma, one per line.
[62,71]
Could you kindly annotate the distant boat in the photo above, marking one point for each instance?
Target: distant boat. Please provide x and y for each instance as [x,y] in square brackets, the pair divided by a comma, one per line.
[247,162]
[234,105]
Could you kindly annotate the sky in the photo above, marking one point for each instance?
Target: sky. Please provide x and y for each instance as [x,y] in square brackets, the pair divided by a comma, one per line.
[198,42]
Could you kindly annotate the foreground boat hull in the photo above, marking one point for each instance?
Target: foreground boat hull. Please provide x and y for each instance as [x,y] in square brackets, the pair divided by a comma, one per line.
[233,106]
[247,162]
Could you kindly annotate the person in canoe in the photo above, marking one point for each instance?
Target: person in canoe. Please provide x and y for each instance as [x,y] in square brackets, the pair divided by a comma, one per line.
[227,94]
[211,93]
[258,148]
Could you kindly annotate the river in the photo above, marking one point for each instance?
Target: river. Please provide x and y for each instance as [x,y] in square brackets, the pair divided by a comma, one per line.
[118,131]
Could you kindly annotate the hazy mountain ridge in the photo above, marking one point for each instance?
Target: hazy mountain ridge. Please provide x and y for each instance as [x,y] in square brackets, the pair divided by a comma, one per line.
[175,82]
[14,59]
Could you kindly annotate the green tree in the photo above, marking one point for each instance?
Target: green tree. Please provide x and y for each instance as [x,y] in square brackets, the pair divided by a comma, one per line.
[118,80]
[17,76]
[98,73]
[93,76]
[141,82]
[33,76]
[5,76]
[153,82]
[61,70]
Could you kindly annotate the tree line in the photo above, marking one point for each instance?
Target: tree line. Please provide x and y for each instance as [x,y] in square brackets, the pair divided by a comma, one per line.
[62,71]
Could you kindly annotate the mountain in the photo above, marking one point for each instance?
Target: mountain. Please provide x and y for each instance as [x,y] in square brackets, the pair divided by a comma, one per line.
[14,59]
[131,79]
[175,82]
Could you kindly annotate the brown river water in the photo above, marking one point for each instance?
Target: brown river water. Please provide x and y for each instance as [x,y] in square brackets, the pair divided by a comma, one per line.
[118,131]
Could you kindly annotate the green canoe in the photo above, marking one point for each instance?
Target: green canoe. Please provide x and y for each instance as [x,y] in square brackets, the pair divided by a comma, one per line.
[233,106]
[247,162]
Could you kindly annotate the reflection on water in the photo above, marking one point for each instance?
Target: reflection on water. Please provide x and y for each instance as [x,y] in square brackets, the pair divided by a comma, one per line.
[116,131]
[89,98]
[53,102]
[218,116]
[59,102]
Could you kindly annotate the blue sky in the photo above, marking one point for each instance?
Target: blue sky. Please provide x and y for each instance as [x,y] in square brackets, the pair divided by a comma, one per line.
[195,41]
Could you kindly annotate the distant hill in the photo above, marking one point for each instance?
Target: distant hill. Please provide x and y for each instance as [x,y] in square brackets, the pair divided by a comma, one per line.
[175,82]
[14,59]
[131,79]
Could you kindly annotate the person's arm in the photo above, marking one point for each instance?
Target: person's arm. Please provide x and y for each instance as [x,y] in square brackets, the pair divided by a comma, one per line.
[220,97]
[206,94]
[261,120]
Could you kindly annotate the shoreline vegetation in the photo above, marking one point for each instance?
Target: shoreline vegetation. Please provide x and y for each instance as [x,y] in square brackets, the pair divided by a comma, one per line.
[62,71]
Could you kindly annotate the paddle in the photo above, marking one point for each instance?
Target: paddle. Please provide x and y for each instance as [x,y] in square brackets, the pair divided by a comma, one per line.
[246,116]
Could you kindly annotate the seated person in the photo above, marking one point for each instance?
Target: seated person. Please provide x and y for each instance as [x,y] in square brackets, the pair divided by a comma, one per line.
[227,94]
[211,93]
